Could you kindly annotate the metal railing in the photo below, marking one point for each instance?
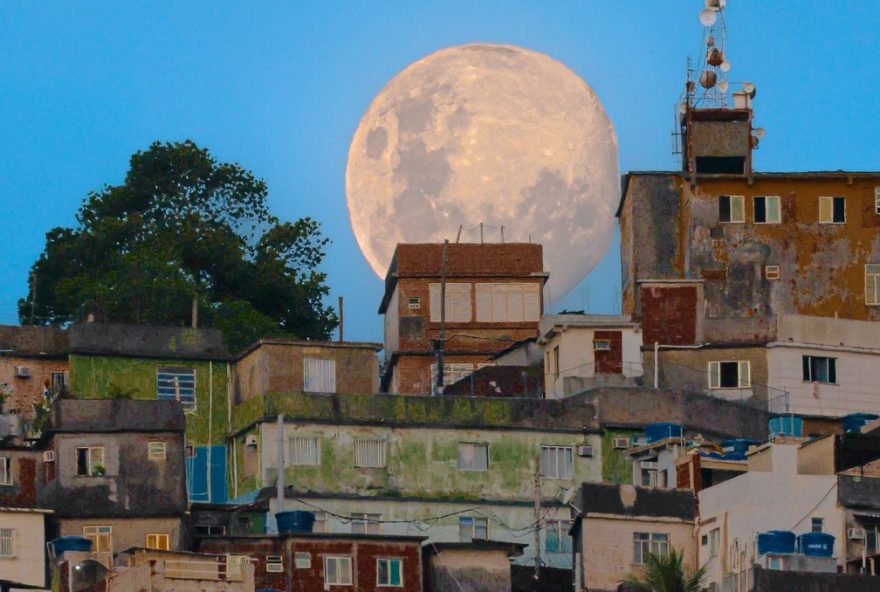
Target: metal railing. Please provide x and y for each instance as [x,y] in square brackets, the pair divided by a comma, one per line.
[222,568]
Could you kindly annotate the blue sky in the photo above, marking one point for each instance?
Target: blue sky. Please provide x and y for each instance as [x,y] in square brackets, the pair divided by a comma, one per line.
[279,87]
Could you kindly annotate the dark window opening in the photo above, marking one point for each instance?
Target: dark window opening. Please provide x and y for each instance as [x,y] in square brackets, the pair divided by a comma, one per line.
[729,374]
[716,165]
[839,210]
[818,369]
[82,461]
[724,208]
[760,209]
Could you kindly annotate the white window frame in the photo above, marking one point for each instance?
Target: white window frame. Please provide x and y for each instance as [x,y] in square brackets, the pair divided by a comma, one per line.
[656,543]
[274,564]
[771,272]
[472,523]
[553,470]
[740,200]
[508,302]
[560,528]
[767,199]
[366,523]
[7,542]
[829,209]
[743,374]
[160,541]
[458,302]
[468,459]
[364,457]
[156,451]
[304,450]
[714,540]
[342,565]
[302,560]
[872,284]
[6,470]
[98,533]
[808,359]
[177,383]
[94,454]
[388,560]
[319,375]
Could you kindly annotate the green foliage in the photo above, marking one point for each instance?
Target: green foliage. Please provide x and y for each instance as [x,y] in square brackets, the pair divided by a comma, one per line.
[115,391]
[183,227]
[665,574]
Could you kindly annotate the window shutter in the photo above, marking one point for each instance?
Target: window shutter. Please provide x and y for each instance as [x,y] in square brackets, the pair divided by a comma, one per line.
[499,304]
[714,375]
[772,205]
[737,209]
[826,208]
[515,303]
[484,303]
[329,376]
[745,375]
[434,296]
[532,303]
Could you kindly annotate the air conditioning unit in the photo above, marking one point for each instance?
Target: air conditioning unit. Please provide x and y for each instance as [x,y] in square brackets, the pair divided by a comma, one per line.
[250,440]
[48,456]
[274,564]
[648,464]
[22,372]
[621,442]
[601,345]
[585,451]
[855,533]
[414,304]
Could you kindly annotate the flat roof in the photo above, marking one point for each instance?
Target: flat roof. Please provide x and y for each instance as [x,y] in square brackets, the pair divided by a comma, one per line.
[345,536]
[370,345]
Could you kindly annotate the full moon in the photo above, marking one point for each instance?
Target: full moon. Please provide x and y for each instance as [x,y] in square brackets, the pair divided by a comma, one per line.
[491,134]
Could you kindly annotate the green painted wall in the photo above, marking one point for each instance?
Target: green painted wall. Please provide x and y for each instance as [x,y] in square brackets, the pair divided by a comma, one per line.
[95,377]
[616,466]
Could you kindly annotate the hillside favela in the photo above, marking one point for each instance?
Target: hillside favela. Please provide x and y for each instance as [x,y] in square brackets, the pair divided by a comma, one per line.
[205,388]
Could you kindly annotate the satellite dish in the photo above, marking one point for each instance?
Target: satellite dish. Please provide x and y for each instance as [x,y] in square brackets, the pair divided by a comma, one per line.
[568,495]
[760,133]
[708,17]
[749,89]
[714,57]
[723,86]
[707,79]
[725,66]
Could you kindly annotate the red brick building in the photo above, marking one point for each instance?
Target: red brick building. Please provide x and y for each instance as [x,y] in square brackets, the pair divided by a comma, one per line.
[316,562]
[493,299]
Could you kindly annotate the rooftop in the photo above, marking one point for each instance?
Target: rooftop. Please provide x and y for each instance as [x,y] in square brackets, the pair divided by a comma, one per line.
[113,415]
[369,345]
[629,500]
[33,341]
[147,341]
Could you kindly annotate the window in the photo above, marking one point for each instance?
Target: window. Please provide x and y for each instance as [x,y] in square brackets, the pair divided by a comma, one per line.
[472,527]
[90,461]
[648,474]
[389,572]
[771,272]
[302,560]
[319,376]
[473,456]
[729,375]
[415,304]
[337,570]
[452,373]
[458,303]
[816,524]
[877,200]
[767,209]
[161,542]
[508,303]
[872,284]
[557,462]
[832,210]
[210,530]
[58,381]
[366,523]
[556,537]
[320,524]
[156,451]
[819,369]
[714,538]
[176,384]
[304,450]
[369,452]
[601,345]
[649,542]
[7,542]
[274,564]
[731,209]
[5,470]
[101,537]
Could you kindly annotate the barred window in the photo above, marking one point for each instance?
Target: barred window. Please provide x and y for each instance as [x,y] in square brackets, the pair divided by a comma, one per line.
[557,462]
[473,456]
[369,452]
[5,470]
[319,376]
[156,451]
[7,542]
[304,450]
[176,384]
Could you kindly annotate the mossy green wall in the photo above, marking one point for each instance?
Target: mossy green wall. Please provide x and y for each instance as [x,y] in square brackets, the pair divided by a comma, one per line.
[616,466]
[95,377]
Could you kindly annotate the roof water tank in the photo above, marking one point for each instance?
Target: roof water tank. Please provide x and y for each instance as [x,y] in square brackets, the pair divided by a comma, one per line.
[654,432]
[70,543]
[786,425]
[736,448]
[816,544]
[854,421]
[776,541]
[295,522]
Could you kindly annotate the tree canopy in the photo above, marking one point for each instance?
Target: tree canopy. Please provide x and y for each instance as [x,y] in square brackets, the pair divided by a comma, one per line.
[665,573]
[184,236]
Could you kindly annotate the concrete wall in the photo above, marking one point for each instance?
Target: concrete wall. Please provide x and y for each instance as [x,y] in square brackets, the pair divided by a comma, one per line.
[27,478]
[607,546]
[465,570]
[29,546]
[23,393]
[127,532]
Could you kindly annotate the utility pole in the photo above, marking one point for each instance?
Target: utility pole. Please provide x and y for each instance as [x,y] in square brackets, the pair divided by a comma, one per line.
[195,310]
[279,480]
[341,319]
[33,294]
[537,493]
[440,344]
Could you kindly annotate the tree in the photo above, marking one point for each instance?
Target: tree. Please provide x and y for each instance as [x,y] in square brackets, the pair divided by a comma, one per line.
[184,240]
[664,573]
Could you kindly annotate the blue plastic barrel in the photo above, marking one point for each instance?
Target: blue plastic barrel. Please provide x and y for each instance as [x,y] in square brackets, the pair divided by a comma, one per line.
[70,543]
[295,521]
[854,421]
[816,544]
[786,425]
[776,541]
[654,432]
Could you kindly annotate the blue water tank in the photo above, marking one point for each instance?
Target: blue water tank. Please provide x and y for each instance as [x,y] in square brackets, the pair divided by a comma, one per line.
[854,421]
[70,543]
[655,432]
[736,448]
[295,522]
[816,544]
[776,541]
[786,425]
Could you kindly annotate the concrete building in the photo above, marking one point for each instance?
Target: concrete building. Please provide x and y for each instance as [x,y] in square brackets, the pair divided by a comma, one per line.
[315,562]
[583,351]
[33,361]
[493,300]
[478,566]
[115,473]
[616,526]
[23,547]
[287,365]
